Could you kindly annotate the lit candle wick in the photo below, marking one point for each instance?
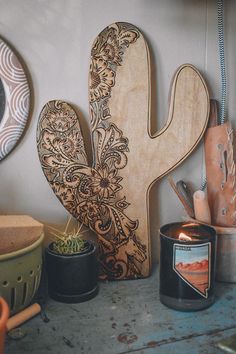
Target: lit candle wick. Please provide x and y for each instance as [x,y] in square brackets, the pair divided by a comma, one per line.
[183,237]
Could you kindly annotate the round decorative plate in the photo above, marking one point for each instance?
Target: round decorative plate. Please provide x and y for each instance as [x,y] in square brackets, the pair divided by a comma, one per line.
[14,99]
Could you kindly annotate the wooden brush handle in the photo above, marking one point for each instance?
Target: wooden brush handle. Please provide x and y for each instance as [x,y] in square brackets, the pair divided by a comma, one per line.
[201,207]
[23,316]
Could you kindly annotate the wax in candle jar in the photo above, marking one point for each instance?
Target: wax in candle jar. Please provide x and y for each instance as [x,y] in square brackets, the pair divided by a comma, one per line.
[187,232]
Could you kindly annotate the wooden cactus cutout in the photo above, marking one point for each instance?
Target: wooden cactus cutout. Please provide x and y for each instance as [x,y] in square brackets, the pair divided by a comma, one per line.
[112,196]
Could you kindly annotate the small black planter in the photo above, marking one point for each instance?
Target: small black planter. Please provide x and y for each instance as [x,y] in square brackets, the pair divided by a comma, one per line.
[72,278]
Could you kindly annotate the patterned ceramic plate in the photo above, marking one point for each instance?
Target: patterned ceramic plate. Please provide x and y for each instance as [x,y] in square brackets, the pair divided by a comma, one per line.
[14,99]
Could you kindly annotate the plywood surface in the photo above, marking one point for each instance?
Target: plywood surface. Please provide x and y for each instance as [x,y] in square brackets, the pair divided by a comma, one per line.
[112,196]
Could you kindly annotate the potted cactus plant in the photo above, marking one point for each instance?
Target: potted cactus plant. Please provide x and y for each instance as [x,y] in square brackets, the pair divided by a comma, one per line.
[72,267]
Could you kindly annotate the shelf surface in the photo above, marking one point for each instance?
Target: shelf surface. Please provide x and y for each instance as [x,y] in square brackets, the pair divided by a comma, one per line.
[127,317]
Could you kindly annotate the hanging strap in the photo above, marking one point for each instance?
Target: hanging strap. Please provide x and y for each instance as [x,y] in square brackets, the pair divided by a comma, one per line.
[222,60]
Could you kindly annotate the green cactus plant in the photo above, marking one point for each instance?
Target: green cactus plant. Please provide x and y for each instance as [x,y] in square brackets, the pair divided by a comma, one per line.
[68,242]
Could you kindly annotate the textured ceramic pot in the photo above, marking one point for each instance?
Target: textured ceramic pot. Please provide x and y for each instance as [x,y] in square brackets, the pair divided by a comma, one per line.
[72,278]
[20,275]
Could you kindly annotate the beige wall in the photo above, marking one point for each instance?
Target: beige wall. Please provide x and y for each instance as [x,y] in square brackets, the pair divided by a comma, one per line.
[55,36]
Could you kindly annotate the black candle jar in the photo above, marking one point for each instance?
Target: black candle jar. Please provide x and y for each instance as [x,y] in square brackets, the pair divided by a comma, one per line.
[187,266]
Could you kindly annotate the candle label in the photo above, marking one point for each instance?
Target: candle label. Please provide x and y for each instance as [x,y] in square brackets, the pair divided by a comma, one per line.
[192,264]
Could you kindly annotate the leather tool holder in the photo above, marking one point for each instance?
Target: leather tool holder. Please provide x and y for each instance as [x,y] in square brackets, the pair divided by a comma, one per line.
[220,172]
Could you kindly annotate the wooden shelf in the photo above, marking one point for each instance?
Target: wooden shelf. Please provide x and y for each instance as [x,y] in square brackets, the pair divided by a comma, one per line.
[127,317]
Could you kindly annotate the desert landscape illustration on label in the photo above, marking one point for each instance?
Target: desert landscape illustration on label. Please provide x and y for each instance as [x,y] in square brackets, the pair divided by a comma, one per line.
[192,264]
